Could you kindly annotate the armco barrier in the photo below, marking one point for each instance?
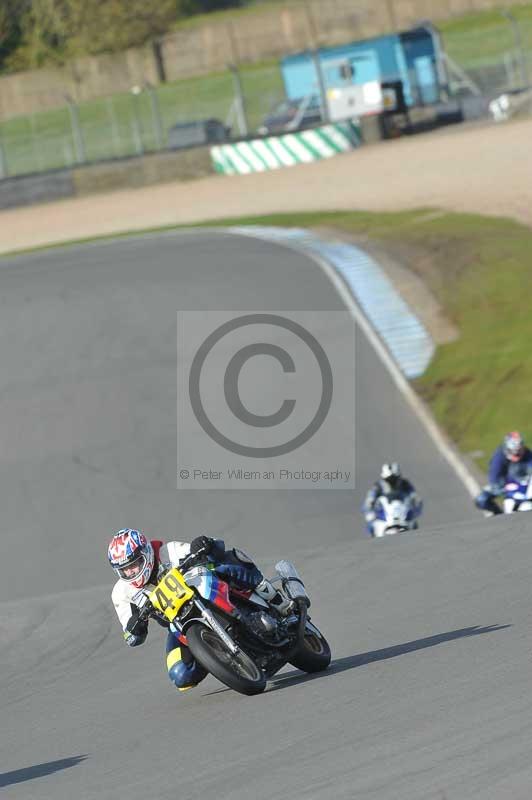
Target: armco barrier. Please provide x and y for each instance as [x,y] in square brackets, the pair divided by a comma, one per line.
[286,150]
[106,176]
[29,189]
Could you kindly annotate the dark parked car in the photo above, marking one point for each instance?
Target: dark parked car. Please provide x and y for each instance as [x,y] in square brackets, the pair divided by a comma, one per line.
[198,132]
[292,115]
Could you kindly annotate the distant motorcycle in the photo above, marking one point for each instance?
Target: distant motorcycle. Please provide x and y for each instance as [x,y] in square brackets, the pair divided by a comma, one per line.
[395,514]
[517,495]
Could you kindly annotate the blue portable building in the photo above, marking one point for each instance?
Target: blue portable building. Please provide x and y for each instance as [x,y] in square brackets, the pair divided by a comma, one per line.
[413,57]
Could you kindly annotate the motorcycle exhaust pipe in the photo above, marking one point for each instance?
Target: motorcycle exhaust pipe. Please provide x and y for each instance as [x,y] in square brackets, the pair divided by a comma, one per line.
[292,583]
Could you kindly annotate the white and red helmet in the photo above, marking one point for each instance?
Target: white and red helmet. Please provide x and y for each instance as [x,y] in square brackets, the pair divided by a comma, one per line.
[132,557]
[513,446]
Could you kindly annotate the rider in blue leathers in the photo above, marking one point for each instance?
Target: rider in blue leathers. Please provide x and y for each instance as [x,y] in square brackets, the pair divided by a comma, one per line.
[390,482]
[513,459]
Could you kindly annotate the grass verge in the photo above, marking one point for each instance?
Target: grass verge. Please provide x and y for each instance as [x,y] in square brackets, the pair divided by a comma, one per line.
[480,271]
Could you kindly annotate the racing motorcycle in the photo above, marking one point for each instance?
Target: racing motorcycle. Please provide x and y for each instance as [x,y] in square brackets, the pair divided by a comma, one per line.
[395,514]
[517,495]
[235,634]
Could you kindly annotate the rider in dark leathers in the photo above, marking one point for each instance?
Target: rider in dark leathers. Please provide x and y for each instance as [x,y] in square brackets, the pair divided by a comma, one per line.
[511,461]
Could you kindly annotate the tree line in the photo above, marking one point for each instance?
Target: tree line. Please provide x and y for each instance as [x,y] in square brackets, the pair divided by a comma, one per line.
[38,32]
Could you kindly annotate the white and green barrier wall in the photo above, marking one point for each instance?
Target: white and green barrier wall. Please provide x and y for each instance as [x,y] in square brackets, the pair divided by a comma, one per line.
[286,150]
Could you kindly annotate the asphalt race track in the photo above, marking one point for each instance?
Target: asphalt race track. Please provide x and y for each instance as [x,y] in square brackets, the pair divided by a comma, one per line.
[428,695]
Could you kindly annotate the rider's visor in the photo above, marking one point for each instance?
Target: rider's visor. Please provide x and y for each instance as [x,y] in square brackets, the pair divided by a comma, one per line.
[132,570]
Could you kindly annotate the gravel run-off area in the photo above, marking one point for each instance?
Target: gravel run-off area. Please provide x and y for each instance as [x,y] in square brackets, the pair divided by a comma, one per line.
[475,168]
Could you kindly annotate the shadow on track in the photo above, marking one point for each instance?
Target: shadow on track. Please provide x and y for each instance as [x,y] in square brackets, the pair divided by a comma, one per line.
[360,660]
[38,770]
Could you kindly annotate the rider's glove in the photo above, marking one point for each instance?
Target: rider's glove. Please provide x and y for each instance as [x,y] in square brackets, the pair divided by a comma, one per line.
[133,641]
[203,543]
[136,627]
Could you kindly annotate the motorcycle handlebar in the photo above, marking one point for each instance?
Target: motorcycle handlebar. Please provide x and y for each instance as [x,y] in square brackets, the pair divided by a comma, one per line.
[189,560]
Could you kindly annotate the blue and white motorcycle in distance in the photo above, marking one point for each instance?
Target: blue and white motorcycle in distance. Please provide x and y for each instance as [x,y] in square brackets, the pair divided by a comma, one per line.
[517,495]
[395,513]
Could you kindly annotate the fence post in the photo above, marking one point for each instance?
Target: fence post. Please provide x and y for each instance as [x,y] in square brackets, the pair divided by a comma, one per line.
[321,86]
[311,22]
[158,57]
[37,156]
[77,135]
[518,41]
[156,115]
[114,127]
[3,160]
[137,129]
[240,106]
[392,16]
[509,67]
[233,43]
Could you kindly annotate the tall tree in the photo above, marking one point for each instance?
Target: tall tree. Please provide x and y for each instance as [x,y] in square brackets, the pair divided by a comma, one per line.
[55,30]
[190,7]
[111,25]
[35,32]
[11,12]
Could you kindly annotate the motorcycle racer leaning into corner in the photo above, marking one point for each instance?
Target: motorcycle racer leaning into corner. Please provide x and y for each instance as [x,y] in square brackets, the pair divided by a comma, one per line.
[511,460]
[391,481]
[137,560]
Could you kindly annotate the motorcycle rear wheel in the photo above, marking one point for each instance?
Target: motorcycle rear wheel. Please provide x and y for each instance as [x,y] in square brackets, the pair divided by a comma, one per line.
[314,655]
[239,671]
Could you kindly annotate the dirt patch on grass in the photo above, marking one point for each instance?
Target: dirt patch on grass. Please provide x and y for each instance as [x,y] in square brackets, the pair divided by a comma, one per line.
[429,393]
[438,263]
[407,268]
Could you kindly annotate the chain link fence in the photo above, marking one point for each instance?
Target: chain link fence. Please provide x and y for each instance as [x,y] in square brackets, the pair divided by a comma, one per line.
[493,59]
[140,121]
[487,62]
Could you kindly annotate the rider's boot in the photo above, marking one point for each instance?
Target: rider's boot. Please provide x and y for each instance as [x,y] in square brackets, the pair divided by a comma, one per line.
[273,596]
[492,509]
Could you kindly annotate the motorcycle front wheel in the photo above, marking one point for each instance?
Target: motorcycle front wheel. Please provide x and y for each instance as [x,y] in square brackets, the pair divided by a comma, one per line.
[314,653]
[238,671]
